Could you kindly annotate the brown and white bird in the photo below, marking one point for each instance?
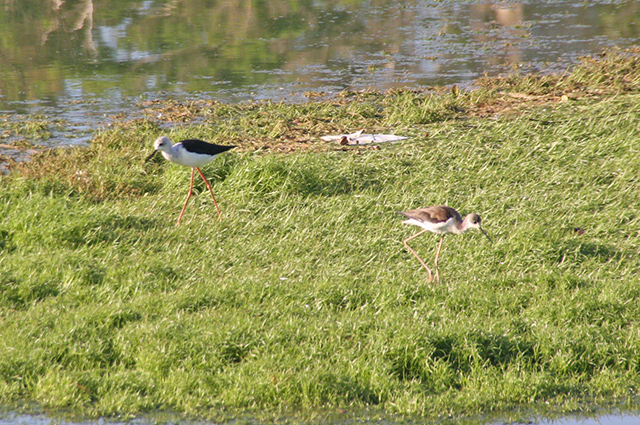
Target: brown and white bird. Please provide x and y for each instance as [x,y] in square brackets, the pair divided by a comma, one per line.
[189,153]
[441,220]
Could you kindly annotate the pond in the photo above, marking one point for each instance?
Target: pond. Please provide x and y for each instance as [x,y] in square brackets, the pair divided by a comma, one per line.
[84,61]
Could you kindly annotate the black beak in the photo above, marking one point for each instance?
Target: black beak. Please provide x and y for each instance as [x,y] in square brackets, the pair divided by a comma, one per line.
[150,156]
[485,233]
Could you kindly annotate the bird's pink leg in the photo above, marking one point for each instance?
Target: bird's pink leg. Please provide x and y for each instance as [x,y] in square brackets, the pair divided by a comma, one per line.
[416,255]
[211,192]
[436,261]
[188,196]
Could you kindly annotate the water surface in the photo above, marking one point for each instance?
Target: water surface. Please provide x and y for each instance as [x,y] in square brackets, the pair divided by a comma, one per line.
[83,62]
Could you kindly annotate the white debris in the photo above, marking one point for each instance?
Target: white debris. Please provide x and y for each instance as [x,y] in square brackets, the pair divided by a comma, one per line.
[358,138]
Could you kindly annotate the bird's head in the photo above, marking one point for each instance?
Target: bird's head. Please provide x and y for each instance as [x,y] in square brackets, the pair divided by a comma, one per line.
[475,222]
[162,144]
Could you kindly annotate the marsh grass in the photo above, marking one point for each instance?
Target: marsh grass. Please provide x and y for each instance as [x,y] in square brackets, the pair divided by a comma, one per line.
[303,297]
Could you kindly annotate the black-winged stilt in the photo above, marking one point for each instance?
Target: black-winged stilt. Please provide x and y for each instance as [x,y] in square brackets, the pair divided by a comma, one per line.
[189,153]
[439,219]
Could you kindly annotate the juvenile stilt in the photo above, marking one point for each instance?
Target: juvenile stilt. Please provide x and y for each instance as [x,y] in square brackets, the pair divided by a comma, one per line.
[441,220]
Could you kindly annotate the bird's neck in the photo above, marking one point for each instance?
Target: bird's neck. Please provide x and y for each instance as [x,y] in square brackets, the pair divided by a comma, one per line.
[169,155]
[462,227]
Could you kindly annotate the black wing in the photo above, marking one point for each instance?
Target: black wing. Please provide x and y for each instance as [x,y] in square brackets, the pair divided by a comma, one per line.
[199,146]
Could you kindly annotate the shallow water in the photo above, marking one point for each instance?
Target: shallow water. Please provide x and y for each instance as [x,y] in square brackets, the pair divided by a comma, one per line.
[600,420]
[85,62]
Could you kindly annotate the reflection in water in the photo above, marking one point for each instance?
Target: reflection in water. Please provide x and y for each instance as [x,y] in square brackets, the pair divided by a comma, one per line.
[510,17]
[70,18]
[102,53]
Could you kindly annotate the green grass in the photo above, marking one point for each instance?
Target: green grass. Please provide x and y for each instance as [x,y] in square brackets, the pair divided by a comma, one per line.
[304,299]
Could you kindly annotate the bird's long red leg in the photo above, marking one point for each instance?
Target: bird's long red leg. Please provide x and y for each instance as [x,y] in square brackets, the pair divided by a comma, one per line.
[210,191]
[416,255]
[187,200]
[436,260]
